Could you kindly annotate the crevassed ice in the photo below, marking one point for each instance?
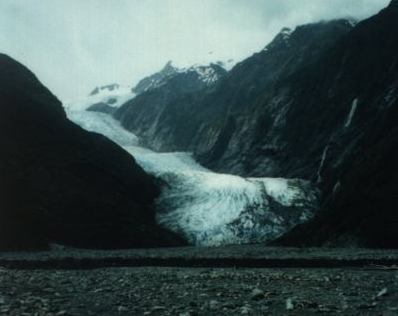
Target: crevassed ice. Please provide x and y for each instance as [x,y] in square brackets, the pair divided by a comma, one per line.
[280,190]
[103,124]
[209,208]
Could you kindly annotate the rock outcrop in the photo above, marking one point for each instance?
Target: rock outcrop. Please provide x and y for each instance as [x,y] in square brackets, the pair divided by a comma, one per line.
[152,114]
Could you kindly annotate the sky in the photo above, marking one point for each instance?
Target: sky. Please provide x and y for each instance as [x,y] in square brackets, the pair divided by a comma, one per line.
[75,45]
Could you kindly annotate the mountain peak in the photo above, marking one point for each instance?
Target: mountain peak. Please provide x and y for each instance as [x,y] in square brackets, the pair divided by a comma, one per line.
[155,79]
[286,31]
[291,37]
[280,39]
[17,82]
[169,68]
[393,4]
[206,74]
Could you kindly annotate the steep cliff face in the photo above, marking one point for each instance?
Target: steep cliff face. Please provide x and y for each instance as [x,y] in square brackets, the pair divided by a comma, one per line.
[151,114]
[61,184]
[258,134]
[361,208]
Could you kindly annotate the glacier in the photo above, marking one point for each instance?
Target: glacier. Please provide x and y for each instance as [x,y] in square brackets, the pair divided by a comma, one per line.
[205,207]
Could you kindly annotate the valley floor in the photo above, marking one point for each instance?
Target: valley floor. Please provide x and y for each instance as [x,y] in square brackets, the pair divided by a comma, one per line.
[199,291]
[291,282]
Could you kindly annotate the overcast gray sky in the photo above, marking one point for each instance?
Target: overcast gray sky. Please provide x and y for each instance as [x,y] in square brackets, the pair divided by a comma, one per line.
[75,45]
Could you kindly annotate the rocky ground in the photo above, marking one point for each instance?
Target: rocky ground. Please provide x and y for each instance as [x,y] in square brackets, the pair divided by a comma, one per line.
[183,290]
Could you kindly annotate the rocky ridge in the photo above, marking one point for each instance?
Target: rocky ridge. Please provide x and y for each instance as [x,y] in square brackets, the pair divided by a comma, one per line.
[60,183]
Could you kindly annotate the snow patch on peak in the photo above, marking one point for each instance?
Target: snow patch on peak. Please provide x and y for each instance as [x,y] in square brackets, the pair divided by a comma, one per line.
[157,79]
[113,95]
[207,73]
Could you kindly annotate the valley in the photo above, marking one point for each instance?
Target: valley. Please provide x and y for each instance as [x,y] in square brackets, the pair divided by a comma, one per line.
[261,186]
[209,208]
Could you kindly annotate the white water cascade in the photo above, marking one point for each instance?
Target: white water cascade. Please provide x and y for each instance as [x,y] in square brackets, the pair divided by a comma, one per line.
[209,208]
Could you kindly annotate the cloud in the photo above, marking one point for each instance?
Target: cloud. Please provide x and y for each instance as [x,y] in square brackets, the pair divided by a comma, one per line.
[74,45]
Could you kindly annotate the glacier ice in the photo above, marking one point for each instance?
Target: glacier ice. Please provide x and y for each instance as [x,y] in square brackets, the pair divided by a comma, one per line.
[209,208]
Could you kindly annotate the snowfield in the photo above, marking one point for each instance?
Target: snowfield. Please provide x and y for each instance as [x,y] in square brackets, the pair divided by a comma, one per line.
[112,95]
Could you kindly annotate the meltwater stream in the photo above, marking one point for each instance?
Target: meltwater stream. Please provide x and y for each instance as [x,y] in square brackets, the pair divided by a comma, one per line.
[209,208]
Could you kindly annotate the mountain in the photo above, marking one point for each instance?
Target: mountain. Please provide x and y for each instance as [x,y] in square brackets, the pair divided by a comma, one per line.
[104,99]
[143,114]
[229,125]
[198,77]
[62,184]
[318,103]
[360,162]
[156,79]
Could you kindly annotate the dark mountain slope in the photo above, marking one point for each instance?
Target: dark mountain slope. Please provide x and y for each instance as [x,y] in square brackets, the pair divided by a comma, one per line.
[363,207]
[148,114]
[363,211]
[319,104]
[61,184]
[220,123]
[156,80]
[261,141]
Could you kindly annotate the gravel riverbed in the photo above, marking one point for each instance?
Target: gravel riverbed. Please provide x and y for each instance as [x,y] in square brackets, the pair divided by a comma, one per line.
[230,280]
[199,291]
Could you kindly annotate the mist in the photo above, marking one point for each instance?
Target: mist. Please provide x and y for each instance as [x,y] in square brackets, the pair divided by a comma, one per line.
[75,45]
